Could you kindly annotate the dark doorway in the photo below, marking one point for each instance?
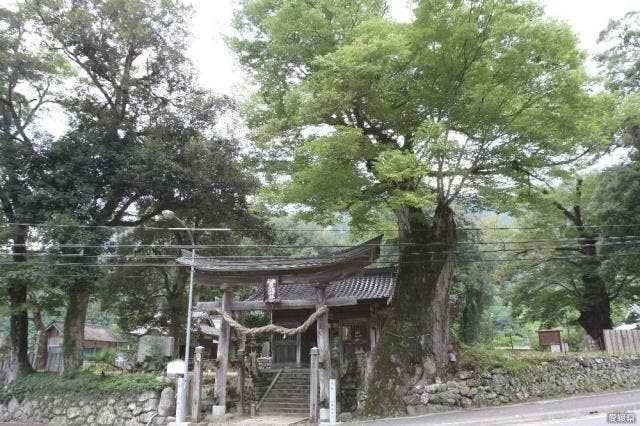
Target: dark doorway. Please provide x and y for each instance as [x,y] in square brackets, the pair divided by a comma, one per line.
[308,342]
[284,349]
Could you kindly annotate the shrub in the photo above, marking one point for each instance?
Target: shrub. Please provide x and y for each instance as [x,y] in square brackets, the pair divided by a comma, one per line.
[81,382]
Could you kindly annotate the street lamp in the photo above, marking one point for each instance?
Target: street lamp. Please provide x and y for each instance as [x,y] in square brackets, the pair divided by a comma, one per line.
[181,403]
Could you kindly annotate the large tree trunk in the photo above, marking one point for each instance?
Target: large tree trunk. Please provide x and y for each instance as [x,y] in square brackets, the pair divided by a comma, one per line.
[74,321]
[19,364]
[595,309]
[413,345]
[594,306]
[40,362]
[176,312]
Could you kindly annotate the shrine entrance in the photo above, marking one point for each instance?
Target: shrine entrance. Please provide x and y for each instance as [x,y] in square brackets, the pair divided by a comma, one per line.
[285,349]
[293,350]
[271,275]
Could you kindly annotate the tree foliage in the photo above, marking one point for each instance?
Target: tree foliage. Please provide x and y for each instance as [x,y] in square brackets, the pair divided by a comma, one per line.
[140,134]
[356,114]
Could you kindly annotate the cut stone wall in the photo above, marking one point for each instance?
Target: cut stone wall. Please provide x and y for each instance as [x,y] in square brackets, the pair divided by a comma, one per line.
[93,410]
[562,376]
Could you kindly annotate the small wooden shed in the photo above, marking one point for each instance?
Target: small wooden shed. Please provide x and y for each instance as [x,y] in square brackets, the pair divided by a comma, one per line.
[96,338]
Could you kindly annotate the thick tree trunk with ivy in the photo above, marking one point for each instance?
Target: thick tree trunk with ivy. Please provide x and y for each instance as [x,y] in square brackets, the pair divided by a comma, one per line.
[413,346]
[19,365]
[176,314]
[595,304]
[40,362]
[74,321]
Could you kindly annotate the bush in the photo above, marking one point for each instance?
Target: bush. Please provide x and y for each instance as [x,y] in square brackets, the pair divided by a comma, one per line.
[84,383]
[482,358]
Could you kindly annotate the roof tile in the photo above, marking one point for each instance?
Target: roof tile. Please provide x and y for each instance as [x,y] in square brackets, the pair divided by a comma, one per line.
[377,283]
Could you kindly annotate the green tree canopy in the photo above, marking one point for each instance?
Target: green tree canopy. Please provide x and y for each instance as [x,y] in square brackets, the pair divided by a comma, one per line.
[357,113]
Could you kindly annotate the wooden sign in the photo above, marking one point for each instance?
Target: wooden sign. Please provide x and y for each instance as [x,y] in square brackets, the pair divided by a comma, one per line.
[549,337]
[271,290]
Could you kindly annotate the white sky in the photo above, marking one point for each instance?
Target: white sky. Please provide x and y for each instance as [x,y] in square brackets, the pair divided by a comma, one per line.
[219,71]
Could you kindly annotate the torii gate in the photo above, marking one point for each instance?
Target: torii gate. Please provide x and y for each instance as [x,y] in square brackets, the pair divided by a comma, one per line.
[231,274]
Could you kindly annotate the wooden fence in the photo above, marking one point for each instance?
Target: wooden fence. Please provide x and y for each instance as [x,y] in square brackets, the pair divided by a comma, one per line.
[55,362]
[622,341]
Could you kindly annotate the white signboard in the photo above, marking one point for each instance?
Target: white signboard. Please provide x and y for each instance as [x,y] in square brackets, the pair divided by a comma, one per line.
[175,367]
[332,401]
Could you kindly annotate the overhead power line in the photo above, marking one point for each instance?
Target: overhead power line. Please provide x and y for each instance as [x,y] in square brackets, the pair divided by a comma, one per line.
[115,227]
[196,229]
[627,239]
[394,258]
[173,256]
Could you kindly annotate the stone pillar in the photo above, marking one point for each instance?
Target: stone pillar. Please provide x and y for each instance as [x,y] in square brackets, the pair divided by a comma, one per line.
[313,385]
[197,384]
[241,379]
[223,356]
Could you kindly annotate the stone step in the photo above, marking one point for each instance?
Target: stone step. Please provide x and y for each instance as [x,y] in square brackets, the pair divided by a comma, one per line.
[283,405]
[282,411]
[287,398]
[291,385]
[286,392]
[287,384]
[291,388]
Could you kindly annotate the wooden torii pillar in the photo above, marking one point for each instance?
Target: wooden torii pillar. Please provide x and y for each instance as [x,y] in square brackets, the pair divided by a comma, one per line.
[223,356]
[324,358]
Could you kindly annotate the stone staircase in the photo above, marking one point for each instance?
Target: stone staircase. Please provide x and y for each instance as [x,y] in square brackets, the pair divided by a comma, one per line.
[289,395]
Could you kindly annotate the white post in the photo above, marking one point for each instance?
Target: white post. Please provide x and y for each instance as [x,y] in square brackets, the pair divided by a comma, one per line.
[332,401]
[180,408]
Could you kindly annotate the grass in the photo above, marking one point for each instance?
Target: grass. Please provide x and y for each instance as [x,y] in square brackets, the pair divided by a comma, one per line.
[482,358]
[81,383]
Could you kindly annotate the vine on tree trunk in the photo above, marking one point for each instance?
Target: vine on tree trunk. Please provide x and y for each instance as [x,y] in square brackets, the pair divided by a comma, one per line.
[413,345]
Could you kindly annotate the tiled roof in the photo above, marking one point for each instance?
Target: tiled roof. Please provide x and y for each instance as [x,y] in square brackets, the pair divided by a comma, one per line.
[377,283]
[369,249]
[94,332]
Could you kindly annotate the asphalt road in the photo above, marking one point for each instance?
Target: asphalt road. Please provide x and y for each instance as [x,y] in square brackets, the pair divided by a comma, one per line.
[587,410]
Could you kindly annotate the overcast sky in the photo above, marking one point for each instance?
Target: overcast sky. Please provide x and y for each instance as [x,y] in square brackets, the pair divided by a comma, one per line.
[218,70]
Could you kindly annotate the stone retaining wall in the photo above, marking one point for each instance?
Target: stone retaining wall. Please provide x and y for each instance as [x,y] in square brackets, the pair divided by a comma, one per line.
[92,410]
[563,376]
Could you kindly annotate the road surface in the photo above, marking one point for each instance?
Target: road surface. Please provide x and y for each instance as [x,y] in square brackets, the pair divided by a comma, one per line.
[589,410]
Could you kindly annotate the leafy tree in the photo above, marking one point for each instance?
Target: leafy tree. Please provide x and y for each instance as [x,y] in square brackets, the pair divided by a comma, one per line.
[621,61]
[286,236]
[139,293]
[618,188]
[466,103]
[474,284]
[576,268]
[26,78]
[136,118]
